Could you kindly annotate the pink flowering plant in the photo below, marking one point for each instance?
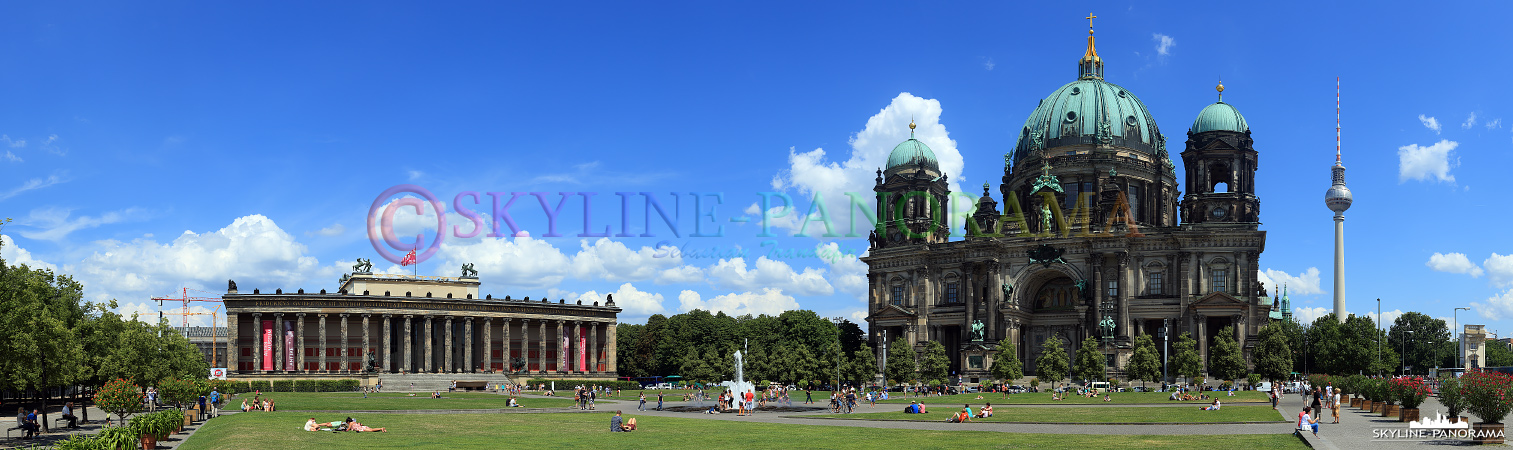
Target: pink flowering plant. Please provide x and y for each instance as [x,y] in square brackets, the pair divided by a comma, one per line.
[1487,395]
[1410,391]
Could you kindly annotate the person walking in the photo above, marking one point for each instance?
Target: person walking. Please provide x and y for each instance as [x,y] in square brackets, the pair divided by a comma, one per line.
[643,402]
[659,401]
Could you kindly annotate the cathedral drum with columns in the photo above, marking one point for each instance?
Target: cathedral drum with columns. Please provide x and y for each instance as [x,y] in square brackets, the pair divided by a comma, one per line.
[378,325]
[1093,238]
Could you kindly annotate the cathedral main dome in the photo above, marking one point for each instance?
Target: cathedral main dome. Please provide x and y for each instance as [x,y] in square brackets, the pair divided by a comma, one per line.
[1090,111]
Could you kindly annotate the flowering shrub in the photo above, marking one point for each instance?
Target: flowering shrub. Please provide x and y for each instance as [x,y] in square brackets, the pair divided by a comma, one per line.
[1487,395]
[1450,396]
[1410,391]
[120,397]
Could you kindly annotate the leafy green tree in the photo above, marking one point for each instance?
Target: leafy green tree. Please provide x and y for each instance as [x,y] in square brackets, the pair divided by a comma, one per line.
[1225,360]
[1498,354]
[1423,345]
[1090,362]
[1273,355]
[1006,364]
[1145,363]
[901,364]
[1052,364]
[1186,361]
[1356,346]
[861,367]
[41,313]
[936,365]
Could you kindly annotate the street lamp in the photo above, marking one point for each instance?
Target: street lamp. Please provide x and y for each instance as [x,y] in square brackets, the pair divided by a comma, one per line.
[839,352]
[1455,332]
[1379,336]
[1407,334]
[1165,348]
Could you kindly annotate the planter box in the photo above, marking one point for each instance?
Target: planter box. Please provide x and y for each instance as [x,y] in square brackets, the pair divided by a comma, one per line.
[1389,411]
[1355,402]
[1407,415]
[1487,433]
[1376,406]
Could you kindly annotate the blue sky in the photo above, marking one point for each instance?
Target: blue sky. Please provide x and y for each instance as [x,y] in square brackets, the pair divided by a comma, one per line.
[144,148]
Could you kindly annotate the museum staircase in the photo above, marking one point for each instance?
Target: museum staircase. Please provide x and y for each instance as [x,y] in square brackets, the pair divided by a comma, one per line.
[429,382]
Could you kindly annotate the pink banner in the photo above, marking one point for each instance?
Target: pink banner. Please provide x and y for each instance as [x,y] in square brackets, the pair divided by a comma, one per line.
[267,345]
[582,350]
[289,345]
[564,356]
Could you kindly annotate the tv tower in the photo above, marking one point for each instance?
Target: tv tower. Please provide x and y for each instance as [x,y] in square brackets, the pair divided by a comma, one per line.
[1338,199]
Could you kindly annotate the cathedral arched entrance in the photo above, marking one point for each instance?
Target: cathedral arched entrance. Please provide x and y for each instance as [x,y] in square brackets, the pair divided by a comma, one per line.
[1052,304]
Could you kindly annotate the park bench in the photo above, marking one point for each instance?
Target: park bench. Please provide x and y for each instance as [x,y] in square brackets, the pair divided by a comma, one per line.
[472,385]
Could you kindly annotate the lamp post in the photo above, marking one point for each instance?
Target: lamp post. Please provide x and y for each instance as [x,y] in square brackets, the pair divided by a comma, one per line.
[1165,347]
[1379,336]
[1407,334]
[1455,332]
[839,352]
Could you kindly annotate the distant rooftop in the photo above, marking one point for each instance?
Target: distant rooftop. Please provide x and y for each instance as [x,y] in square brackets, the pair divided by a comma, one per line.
[203,332]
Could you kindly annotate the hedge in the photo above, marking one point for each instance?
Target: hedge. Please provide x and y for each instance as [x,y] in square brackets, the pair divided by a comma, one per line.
[568,384]
[237,387]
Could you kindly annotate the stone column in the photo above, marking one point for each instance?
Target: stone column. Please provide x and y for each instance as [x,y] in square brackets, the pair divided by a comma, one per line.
[504,351]
[593,347]
[446,359]
[388,344]
[409,346]
[543,345]
[278,342]
[299,339]
[561,345]
[1203,341]
[430,356]
[609,351]
[322,351]
[1126,292]
[572,343]
[488,344]
[367,345]
[346,346]
[233,352]
[257,340]
[467,348]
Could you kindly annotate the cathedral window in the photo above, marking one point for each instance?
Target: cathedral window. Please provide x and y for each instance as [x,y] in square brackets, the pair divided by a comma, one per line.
[1221,280]
[898,295]
[1113,288]
[1154,284]
[951,293]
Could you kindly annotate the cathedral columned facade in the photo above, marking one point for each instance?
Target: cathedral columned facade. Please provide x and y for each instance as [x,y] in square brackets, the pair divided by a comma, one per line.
[1091,236]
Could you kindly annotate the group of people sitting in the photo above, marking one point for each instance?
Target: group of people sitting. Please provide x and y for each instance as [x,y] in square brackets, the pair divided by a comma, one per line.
[259,404]
[339,426]
[915,408]
[621,424]
[966,414]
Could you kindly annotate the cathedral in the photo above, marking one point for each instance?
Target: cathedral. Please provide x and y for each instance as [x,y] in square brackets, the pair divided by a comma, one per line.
[1093,237]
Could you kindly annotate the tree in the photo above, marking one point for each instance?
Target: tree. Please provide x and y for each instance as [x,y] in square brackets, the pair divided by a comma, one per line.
[41,313]
[1052,364]
[1225,360]
[1498,354]
[861,367]
[901,364]
[1273,355]
[120,397]
[1090,362]
[1425,342]
[1145,363]
[936,365]
[1006,364]
[1186,362]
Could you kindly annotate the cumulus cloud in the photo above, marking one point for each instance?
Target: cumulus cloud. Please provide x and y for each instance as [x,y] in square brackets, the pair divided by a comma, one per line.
[733,274]
[1429,122]
[523,261]
[1388,317]
[1308,315]
[252,248]
[1453,263]
[14,255]
[769,301]
[847,272]
[1422,163]
[680,275]
[1497,307]
[613,261]
[1500,269]
[632,301]
[1470,122]
[1304,283]
[814,173]
[32,184]
[1164,43]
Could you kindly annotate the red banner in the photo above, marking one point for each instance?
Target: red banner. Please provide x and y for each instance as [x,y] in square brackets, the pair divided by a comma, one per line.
[267,345]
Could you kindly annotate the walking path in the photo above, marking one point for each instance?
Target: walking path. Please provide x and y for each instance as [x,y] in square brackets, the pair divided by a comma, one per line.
[1361,430]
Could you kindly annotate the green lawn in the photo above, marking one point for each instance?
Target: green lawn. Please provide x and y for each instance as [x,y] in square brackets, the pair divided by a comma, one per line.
[298,401]
[1044,398]
[1152,414]
[282,430]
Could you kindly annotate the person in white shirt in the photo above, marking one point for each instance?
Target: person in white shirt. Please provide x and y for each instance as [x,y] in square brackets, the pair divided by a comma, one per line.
[1334,404]
[1307,422]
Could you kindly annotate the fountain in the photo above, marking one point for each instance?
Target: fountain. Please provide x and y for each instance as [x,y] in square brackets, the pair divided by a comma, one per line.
[740,386]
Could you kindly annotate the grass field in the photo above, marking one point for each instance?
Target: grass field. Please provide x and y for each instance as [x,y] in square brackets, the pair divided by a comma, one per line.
[1044,398]
[1017,414]
[282,430]
[348,401]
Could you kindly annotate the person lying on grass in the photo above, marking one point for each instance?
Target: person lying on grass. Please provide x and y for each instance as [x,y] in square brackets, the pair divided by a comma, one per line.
[355,426]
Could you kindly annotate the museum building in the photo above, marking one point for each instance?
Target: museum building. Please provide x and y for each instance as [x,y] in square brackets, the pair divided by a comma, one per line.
[1093,239]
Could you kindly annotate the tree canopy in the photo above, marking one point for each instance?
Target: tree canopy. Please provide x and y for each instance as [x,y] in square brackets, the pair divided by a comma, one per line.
[1186,362]
[1145,363]
[1006,364]
[1052,364]
[1090,362]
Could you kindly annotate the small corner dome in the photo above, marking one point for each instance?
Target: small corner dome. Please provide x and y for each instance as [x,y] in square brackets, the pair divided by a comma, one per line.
[1219,117]
[912,154]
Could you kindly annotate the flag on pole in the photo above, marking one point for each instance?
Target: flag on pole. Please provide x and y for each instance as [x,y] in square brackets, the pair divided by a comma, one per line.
[408,259]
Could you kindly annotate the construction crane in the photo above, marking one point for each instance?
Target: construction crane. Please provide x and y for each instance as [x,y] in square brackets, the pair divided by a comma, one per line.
[185,299]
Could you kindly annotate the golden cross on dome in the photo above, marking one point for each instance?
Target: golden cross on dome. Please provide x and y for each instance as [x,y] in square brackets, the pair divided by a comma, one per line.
[1090,18]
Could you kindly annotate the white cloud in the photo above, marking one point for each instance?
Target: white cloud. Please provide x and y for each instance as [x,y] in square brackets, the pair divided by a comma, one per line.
[1164,43]
[1420,163]
[54,223]
[613,261]
[988,63]
[33,184]
[1500,269]
[1308,315]
[1470,122]
[12,157]
[17,143]
[1494,124]
[811,172]
[14,255]
[560,293]
[859,317]
[630,300]
[1305,283]
[335,229]
[770,301]
[523,262]
[1453,263]
[1388,317]
[1498,307]
[733,274]
[1429,122]
[847,272]
[252,248]
[680,275]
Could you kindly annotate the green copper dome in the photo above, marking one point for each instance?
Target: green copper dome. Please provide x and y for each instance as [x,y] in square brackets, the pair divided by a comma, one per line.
[1090,111]
[1219,117]
[913,154]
